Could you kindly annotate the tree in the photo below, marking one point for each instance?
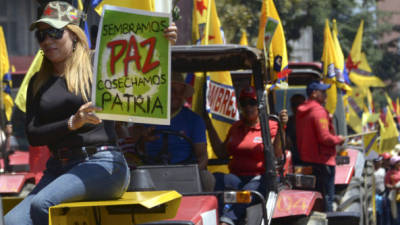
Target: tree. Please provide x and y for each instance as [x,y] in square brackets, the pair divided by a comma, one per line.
[297,14]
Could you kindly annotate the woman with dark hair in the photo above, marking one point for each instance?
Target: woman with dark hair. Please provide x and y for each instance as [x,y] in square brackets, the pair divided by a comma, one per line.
[85,164]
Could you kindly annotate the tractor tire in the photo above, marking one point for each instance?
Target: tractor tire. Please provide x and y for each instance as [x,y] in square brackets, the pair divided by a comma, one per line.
[352,197]
[359,196]
[351,202]
[316,218]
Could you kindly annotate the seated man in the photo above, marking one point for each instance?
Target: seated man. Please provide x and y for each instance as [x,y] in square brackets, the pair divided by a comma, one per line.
[174,149]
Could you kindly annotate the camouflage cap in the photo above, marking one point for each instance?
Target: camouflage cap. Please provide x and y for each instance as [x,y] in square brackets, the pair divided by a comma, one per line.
[58,14]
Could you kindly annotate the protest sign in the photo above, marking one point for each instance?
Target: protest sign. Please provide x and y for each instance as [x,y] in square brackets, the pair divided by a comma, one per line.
[132,66]
[270,27]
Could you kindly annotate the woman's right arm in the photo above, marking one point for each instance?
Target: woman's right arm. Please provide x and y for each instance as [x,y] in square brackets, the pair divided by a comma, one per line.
[219,147]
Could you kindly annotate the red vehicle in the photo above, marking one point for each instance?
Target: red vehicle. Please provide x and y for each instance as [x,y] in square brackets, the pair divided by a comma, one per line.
[296,201]
[21,167]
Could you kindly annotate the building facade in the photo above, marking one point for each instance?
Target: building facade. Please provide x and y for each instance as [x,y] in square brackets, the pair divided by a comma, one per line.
[391,6]
[15,18]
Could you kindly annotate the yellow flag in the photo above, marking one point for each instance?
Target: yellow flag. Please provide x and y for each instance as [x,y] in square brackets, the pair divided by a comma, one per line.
[356,108]
[397,106]
[80,5]
[220,95]
[243,39]
[205,22]
[5,76]
[137,4]
[397,110]
[370,142]
[20,99]
[277,55]
[4,62]
[329,62]
[388,132]
[390,103]
[362,76]
[360,72]
[368,117]
[340,82]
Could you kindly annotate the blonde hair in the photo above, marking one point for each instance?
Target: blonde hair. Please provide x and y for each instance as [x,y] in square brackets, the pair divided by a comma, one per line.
[78,68]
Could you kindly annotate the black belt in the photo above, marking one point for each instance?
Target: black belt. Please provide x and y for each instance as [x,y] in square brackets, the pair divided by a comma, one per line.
[80,152]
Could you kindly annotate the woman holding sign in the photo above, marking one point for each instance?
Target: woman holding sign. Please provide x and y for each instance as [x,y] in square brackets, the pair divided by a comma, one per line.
[85,164]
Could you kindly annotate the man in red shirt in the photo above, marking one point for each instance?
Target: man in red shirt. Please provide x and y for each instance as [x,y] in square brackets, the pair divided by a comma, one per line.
[316,140]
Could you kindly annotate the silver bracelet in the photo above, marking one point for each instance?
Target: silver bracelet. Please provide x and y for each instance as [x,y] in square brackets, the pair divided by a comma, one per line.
[70,122]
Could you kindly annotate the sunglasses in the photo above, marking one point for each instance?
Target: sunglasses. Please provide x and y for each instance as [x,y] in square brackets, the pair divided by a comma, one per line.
[248,101]
[51,32]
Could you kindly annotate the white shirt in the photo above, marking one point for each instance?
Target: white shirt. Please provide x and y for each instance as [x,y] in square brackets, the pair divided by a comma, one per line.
[380,180]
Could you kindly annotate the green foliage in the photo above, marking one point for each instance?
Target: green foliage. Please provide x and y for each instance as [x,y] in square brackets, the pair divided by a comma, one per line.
[236,15]
[176,11]
[297,14]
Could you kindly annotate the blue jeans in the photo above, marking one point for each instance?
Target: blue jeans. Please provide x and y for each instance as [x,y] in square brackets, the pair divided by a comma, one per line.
[102,176]
[379,209]
[325,183]
[232,213]
[387,215]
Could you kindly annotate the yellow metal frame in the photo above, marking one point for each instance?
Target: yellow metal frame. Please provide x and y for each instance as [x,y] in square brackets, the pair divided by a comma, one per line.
[132,208]
[10,202]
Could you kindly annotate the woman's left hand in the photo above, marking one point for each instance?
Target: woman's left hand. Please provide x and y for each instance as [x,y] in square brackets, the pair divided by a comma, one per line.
[283,116]
[171,33]
[85,114]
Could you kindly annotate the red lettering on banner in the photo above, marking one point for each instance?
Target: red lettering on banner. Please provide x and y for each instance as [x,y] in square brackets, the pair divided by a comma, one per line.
[233,107]
[210,98]
[129,57]
[113,57]
[148,64]
[213,95]
[229,107]
[219,98]
[226,98]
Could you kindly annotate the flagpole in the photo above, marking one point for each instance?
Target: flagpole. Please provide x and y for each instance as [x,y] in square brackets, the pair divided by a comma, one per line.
[284,98]
[84,14]
[360,134]
[285,93]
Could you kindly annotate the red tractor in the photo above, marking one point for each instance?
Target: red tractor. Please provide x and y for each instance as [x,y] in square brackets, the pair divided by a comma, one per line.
[290,200]
[296,201]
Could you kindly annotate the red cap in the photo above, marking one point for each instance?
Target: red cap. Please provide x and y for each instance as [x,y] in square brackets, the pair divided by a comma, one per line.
[386,155]
[248,92]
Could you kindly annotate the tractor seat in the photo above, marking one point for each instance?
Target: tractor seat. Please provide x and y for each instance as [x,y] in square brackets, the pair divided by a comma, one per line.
[182,178]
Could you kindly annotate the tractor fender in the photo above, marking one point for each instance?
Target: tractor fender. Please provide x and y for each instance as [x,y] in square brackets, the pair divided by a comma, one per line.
[296,203]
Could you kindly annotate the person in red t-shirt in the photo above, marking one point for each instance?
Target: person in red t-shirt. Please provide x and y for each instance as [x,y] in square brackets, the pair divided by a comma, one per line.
[392,182]
[244,146]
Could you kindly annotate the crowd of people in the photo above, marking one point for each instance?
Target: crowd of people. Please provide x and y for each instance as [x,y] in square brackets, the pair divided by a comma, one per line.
[86,156]
[387,184]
